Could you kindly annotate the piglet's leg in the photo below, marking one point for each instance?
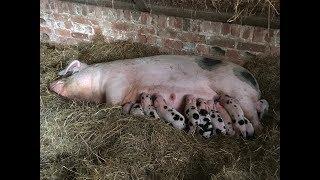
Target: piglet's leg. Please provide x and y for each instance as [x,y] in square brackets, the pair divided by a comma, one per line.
[126,107]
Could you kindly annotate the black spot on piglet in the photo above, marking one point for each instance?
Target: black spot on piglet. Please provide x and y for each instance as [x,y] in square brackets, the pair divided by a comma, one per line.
[137,106]
[206,119]
[241,122]
[203,112]
[176,117]
[218,131]
[195,116]
[165,107]
[212,115]
[219,119]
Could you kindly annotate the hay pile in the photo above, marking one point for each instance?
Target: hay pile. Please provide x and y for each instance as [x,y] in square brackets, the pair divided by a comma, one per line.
[81,140]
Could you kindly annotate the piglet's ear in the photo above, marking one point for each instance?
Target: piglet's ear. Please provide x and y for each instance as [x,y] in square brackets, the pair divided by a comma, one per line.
[73,67]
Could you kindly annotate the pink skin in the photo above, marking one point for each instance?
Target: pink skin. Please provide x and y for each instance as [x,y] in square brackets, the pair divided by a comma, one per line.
[191,100]
[203,104]
[121,81]
[145,100]
[126,107]
[163,111]
[226,118]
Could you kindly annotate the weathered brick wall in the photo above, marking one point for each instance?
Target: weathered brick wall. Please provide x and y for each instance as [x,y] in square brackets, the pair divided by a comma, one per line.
[65,22]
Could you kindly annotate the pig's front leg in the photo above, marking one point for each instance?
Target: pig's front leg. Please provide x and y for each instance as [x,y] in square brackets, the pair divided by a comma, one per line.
[115,89]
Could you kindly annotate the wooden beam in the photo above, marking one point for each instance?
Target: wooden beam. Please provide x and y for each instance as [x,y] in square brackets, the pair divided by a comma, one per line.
[186,13]
[141,6]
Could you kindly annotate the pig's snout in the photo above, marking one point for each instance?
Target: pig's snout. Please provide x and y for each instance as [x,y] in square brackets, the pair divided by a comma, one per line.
[57,87]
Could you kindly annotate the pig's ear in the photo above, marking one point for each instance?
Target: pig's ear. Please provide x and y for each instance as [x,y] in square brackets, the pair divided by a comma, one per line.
[73,67]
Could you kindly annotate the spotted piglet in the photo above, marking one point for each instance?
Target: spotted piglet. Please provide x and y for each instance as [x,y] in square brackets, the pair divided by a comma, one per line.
[206,127]
[226,118]
[147,106]
[168,113]
[216,119]
[240,122]
[191,113]
[136,110]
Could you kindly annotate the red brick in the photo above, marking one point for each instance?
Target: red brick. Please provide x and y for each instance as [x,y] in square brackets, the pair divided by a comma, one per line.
[191,37]
[175,22]
[94,22]
[235,30]
[142,38]
[45,30]
[121,26]
[62,32]
[97,30]
[251,47]
[43,4]
[162,21]
[144,17]
[168,32]
[232,53]
[151,40]
[247,31]
[60,17]
[72,9]
[210,27]
[146,30]
[68,24]
[79,35]
[202,49]
[173,44]
[258,34]
[80,20]
[127,15]
[221,42]
[225,29]
[269,36]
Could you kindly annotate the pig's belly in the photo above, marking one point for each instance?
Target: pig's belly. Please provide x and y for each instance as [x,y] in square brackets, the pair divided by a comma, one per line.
[180,89]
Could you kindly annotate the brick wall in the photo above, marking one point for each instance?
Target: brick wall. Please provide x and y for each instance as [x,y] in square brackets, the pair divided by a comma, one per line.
[70,23]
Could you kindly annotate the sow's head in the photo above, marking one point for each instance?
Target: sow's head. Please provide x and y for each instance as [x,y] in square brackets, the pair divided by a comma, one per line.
[71,83]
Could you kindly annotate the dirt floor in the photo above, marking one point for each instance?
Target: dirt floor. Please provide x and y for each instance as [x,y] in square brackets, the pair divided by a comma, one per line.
[81,140]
